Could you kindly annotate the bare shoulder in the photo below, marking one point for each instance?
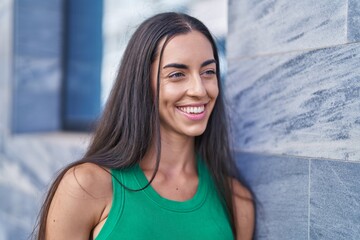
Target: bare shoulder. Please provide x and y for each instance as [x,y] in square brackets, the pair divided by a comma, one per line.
[244,210]
[240,190]
[88,180]
[83,195]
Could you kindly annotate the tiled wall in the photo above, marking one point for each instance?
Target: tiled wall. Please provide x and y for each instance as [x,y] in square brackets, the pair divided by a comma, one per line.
[28,162]
[37,69]
[293,88]
[5,66]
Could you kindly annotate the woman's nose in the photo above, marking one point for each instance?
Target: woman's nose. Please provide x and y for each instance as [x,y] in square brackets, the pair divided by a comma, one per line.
[196,87]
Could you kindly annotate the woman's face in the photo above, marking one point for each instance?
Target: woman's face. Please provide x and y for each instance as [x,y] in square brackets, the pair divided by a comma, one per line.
[188,84]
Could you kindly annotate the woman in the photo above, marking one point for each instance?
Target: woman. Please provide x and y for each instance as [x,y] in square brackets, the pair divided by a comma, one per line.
[159,164]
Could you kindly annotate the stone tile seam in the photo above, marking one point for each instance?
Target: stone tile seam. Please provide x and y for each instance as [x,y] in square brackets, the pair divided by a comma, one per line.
[9,7]
[307,158]
[309,199]
[297,51]
[347,20]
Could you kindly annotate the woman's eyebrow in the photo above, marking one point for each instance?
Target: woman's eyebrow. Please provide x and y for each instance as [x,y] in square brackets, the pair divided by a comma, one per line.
[208,62]
[184,66]
[176,65]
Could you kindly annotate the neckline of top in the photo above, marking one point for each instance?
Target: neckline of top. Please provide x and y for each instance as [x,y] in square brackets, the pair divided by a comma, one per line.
[180,206]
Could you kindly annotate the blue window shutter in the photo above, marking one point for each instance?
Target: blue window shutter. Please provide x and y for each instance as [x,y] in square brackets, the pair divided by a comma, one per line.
[82,62]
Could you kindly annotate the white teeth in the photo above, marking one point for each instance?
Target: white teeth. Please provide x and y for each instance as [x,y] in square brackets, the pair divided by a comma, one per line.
[193,110]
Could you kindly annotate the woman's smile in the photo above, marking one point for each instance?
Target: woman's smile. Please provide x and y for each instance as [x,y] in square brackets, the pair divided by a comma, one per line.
[193,112]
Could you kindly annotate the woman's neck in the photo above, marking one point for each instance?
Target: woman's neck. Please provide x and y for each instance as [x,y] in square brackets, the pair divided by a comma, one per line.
[177,155]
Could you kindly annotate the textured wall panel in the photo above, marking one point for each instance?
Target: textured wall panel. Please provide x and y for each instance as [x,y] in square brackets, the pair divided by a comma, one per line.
[281,186]
[25,176]
[335,200]
[270,26]
[6,16]
[304,104]
[354,20]
[37,65]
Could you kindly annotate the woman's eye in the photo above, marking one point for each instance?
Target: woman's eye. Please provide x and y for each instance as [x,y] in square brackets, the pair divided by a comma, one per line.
[209,72]
[176,75]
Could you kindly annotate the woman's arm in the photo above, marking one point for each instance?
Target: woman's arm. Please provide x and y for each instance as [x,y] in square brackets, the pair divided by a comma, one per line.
[79,203]
[244,211]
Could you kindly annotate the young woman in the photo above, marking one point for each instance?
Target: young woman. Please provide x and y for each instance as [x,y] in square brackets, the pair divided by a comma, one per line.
[159,164]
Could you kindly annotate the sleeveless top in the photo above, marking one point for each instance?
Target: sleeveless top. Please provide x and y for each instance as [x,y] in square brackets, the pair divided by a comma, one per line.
[145,214]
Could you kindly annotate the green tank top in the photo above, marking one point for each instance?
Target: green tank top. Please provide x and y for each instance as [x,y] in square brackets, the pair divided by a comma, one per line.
[146,215]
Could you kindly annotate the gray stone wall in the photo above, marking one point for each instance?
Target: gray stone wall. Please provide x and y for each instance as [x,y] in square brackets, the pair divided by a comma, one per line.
[37,65]
[28,162]
[293,88]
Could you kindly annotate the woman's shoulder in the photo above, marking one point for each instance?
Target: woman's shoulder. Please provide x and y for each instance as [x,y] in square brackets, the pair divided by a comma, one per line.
[87,184]
[89,179]
[240,191]
[81,199]
[244,210]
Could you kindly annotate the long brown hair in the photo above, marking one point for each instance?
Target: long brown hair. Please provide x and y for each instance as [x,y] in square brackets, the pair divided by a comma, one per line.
[130,119]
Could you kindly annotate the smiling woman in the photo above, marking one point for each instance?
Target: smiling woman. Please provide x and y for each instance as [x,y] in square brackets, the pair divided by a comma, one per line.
[160,150]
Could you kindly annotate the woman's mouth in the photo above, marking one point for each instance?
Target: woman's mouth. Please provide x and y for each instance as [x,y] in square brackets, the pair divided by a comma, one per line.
[193,112]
